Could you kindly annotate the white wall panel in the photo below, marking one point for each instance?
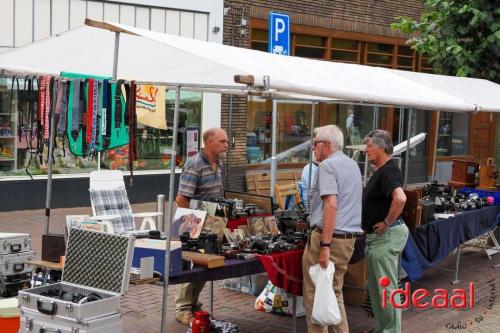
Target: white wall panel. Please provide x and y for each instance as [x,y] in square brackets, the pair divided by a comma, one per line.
[187,24]
[173,19]
[78,12]
[95,10]
[158,20]
[7,23]
[111,12]
[42,19]
[60,12]
[142,18]
[24,22]
[200,26]
[127,15]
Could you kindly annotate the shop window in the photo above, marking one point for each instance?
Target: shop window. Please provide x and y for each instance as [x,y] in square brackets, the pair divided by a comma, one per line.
[345,50]
[379,54]
[406,58]
[453,134]
[310,46]
[154,145]
[259,40]
[425,65]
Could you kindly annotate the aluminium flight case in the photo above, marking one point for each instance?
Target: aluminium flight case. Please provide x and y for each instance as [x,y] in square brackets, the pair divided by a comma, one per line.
[34,322]
[14,243]
[15,263]
[96,263]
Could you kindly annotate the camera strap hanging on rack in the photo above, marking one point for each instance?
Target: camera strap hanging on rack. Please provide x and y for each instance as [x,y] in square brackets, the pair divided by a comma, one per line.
[131,120]
[107,99]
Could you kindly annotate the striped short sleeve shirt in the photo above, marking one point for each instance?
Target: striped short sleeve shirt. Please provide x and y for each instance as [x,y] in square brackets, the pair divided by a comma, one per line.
[199,180]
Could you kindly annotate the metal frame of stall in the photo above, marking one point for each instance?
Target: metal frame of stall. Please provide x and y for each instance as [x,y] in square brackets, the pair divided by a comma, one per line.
[168,215]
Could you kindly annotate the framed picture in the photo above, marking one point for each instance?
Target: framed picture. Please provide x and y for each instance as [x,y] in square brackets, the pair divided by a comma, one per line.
[263,202]
[216,225]
[188,220]
[271,225]
[257,226]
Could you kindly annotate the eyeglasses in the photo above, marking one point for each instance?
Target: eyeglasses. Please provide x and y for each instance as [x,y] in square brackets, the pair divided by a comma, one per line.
[315,142]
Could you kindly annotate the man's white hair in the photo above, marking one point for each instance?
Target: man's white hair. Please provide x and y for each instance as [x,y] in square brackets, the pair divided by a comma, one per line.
[330,133]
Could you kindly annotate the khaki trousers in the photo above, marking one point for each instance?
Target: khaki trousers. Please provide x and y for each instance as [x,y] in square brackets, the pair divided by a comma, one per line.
[340,253]
[187,295]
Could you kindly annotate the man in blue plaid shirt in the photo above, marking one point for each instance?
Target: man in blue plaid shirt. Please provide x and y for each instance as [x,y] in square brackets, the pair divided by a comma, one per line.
[201,179]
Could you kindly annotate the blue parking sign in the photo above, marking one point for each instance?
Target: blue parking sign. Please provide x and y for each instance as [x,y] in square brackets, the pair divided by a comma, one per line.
[279,33]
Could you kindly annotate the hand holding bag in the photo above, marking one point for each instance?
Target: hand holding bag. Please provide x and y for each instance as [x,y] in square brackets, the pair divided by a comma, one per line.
[325,308]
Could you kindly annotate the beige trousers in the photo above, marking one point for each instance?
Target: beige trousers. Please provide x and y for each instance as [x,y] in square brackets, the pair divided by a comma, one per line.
[187,295]
[340,253]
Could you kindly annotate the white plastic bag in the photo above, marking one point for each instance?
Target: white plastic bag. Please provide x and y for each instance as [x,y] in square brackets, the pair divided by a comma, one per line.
[325,308]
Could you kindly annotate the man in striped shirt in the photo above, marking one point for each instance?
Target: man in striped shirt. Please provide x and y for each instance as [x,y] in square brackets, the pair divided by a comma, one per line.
[201,179]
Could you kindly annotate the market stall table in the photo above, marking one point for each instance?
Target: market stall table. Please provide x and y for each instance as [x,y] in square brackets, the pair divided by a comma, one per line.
[434,241]
[46,267]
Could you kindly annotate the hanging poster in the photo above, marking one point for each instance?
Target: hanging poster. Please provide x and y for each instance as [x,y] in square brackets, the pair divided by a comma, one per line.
[150,106]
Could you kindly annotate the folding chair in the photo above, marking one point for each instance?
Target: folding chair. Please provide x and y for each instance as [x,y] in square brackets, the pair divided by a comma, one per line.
[282,192]
[108,197]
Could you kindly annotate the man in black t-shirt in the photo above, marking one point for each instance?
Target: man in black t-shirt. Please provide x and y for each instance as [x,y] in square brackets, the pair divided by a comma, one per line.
[386,233]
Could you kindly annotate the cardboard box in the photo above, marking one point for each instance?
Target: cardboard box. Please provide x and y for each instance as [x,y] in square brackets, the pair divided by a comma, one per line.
[156,248]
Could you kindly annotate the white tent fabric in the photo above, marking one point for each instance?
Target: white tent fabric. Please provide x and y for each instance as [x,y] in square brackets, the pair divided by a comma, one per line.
[156,57]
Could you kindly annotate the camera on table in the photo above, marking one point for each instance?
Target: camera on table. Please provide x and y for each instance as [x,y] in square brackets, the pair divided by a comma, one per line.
[206,242]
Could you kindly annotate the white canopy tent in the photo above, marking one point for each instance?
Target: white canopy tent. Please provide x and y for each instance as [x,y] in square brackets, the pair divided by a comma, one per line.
[155,57]
[128,53]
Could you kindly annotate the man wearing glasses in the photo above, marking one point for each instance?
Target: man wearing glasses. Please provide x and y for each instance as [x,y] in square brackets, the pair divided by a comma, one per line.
[335,204]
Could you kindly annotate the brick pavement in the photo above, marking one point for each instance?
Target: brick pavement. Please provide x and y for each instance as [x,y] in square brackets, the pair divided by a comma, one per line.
[141,307]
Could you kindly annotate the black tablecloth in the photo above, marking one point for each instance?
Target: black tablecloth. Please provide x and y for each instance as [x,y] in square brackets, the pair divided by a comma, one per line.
[232,268]
[435,240]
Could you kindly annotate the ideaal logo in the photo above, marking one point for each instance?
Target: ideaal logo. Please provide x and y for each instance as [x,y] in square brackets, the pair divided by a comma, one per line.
[490,302]
[441,298]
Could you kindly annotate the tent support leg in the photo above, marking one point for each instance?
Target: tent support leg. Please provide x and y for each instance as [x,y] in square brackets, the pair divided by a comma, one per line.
[274,163]
[407,155]
[313,111]
[168,221]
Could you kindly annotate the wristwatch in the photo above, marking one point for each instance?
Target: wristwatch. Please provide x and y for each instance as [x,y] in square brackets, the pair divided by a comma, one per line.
[321,244]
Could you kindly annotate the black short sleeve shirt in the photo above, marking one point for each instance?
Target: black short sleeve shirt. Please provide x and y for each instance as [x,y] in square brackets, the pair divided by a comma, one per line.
[377,196]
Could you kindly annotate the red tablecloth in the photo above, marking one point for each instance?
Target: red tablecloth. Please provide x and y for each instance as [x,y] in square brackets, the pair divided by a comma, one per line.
[284,270]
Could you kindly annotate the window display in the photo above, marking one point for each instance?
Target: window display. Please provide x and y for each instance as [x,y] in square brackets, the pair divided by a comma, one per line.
[22,153]
[453,134]
[294,127]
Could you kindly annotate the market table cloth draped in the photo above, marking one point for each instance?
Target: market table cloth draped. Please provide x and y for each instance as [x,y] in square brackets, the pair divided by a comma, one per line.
[435,240]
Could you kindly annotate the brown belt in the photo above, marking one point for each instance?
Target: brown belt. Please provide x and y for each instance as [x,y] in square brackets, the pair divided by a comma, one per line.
[341,236]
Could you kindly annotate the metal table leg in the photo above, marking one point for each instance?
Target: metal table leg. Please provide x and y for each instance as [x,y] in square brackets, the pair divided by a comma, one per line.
[294,314]
[211,296]
[457,265]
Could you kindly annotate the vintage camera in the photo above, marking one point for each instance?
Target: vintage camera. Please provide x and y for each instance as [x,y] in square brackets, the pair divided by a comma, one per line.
[235,208]
[207,242]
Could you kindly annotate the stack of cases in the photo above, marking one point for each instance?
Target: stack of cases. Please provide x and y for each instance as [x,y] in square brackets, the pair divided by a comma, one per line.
[95,263]
[15,273]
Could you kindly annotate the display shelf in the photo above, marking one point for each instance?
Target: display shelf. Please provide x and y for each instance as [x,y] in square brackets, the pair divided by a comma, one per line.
[8,126]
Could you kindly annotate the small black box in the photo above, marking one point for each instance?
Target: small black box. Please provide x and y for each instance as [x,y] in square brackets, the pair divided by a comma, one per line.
[427,211]
[53,247]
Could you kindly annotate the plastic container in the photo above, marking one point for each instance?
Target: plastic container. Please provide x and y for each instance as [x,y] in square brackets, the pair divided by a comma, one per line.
[201,323]
[9,315]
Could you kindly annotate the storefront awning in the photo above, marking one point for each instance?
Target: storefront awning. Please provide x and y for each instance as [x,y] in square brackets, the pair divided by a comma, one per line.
[156,57]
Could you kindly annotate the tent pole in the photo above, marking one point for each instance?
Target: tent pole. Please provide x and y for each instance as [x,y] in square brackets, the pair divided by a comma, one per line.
[433,174]
[230,135]
[407,155]
[168,221]
[115,74]
[313,111]
[51,159]
[273,149]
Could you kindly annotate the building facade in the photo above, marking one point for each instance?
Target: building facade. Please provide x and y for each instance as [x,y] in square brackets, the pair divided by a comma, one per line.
[23,171]
[356,32]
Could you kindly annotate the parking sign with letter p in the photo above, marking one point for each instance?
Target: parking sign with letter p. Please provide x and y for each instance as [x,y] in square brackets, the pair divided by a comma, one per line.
[279,33]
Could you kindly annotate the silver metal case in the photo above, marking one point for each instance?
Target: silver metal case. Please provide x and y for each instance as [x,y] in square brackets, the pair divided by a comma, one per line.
[95,263]
[33,322]
[14,242]
[15,263]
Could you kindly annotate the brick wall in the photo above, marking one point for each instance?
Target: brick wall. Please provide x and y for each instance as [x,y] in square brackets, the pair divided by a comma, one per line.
[363,16]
